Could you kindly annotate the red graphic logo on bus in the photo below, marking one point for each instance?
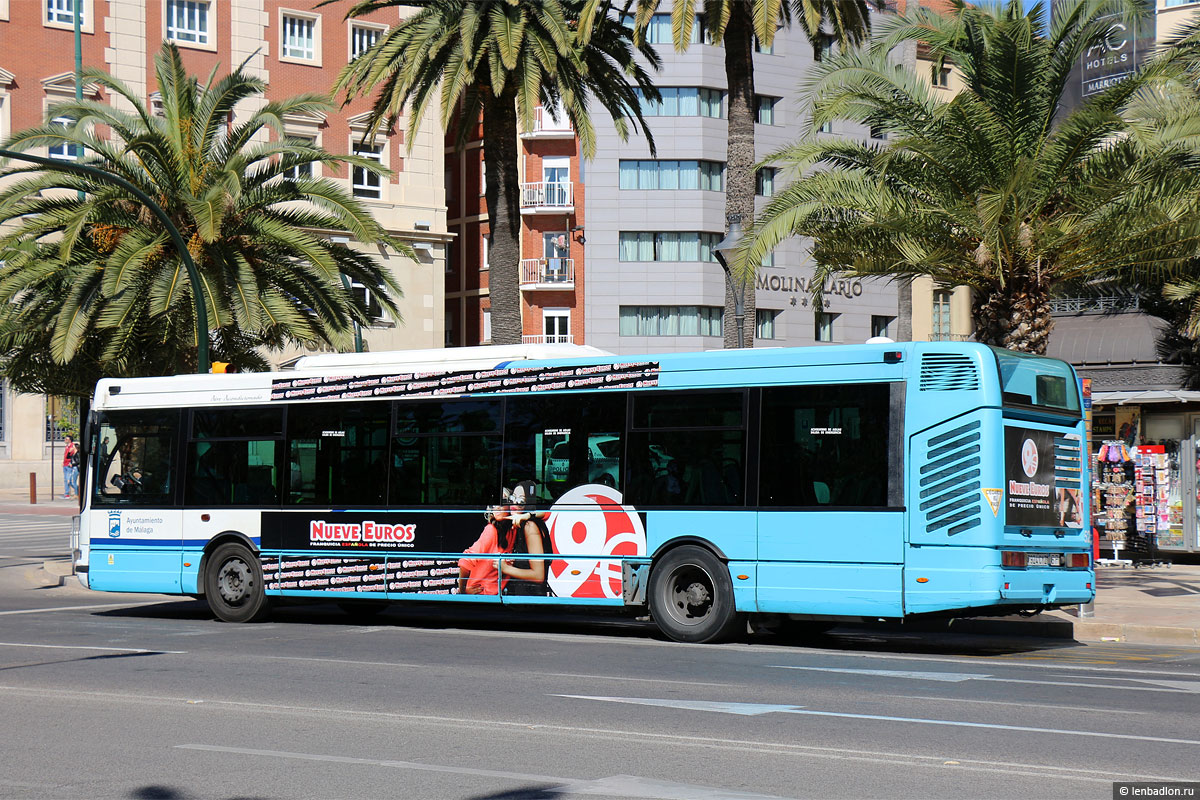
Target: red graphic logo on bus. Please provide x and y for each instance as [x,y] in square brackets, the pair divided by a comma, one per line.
[590,521]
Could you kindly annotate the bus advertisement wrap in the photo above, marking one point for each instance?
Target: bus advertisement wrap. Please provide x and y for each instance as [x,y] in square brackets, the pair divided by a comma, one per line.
[635,375]
[589,525]
[1029,477]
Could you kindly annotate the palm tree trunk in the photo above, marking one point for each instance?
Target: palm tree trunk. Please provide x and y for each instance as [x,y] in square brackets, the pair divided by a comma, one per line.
[504,214]
[1015,316]
[740,160]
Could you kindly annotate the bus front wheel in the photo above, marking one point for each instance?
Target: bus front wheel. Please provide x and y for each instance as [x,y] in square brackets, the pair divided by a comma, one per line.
[233,584]
[691,596]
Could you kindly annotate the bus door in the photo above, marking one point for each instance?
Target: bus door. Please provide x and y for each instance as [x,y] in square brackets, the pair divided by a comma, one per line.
[831,525]
[134,524]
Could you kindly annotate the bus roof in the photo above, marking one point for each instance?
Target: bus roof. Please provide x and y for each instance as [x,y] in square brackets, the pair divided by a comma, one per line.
[256,387]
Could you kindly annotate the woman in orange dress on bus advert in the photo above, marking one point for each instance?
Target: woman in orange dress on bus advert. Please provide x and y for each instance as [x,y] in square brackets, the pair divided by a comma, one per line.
[480,575]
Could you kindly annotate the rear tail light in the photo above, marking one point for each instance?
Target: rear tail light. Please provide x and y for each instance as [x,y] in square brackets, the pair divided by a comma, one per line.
[1012,558]
[1080,560]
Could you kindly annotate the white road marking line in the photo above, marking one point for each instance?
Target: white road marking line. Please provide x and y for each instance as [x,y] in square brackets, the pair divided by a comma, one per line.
[942,699]
[543,674]
[959,677]
[71,608]
[748,709]
[84,647]
[625,785]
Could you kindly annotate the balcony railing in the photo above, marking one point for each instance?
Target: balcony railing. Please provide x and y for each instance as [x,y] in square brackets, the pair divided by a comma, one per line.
[550,197]
[951,337]
[547,273]
[546,127]
[549,338]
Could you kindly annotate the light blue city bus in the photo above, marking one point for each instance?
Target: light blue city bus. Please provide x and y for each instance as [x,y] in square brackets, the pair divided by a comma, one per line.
[791,487]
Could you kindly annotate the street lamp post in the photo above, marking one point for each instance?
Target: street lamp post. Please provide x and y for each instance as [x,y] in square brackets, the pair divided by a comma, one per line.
[202,362]
[731,242]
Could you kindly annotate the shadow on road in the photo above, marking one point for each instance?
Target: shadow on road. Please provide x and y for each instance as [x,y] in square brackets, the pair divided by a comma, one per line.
[882,637]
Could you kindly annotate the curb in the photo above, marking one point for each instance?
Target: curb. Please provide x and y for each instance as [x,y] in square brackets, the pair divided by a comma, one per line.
[58,571]
[63,509]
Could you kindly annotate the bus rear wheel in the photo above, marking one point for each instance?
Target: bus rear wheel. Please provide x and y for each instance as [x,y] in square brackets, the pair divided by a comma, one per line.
[233,584]
[691,596]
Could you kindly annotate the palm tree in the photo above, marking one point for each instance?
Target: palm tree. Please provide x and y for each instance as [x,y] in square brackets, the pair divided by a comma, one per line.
[998,189]
[92,284]
[736,24]
[495,61]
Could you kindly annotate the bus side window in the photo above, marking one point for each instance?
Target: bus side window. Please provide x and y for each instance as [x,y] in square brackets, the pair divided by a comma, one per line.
[134,459]
[688,448]
[825,445]
[446,452]
[234,457]
[562,441]
[337,453]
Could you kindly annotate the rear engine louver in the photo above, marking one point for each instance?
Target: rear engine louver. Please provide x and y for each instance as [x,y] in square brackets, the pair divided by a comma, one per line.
[948,372]
[949,487]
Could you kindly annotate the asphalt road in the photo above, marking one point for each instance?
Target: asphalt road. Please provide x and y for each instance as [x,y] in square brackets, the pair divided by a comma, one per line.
[124,696]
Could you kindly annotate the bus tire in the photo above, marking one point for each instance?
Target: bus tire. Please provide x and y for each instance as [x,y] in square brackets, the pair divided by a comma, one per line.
[233,584]
[691,596]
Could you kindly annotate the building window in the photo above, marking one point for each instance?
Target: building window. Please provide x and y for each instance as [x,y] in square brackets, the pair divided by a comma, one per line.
[482,177]
[684,101]
[881,325]
[822,47]
[485,246]
[298,36]
[825,127]
[668,246]
[878,132]
[364,183]
[301,171]
[63,12]
[765,109]
[556,325]
[764,323]
[187,21]
[764,182]
[487,325]
[644,174]
[940,323]
[943,74]
[765,49]
[823,331]
[670,321]
[368,300]
[362,39]
[660,30]
[63,151]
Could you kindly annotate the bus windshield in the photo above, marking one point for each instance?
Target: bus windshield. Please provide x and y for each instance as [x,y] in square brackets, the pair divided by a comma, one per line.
[1044,383]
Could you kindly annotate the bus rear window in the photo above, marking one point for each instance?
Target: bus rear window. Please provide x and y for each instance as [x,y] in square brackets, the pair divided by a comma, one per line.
[1036,381]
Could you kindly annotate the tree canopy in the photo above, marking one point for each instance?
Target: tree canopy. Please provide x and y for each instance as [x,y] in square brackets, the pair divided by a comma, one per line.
[91,285]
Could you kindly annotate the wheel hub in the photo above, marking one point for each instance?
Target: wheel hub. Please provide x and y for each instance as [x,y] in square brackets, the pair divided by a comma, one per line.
[697,595]
[234,581]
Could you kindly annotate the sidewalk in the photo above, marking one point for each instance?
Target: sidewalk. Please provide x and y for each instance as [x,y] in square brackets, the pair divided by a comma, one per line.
[1143,605]
[16,501]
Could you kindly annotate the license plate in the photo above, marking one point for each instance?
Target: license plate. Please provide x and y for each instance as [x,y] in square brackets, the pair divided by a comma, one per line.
[1044,560]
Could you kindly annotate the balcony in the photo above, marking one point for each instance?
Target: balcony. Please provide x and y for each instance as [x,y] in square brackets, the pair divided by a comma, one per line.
[546,127]
[547,273]
[560,338]
[547,198]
